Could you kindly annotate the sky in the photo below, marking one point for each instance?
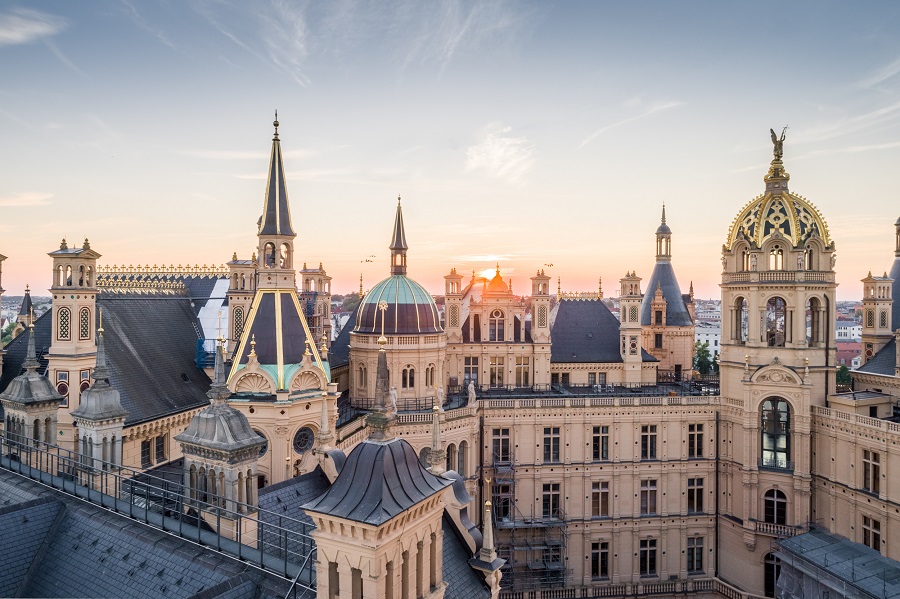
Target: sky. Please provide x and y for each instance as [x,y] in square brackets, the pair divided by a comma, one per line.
[529,134]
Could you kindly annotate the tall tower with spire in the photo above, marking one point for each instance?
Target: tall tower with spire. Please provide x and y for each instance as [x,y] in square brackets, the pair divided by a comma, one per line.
[398,245]
[278,355]
[667,328]
[275,252]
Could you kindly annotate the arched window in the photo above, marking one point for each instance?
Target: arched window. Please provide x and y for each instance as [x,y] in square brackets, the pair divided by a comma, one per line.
[776,258]
[745,259]
[362,377]
[776,433]
[429,376]
[870,318]
[772,572]
[243,281]
[69,276]
[202,485]
[238,322]
[775,507]
[81,276]
[269,255]
[234,284]
[451,457]
[193,481]
[285,258]
[809,259]
[409,377]
[84,324]
[47,429]
[59,276]
[740,316]
[497,325]
[813,322]
[89,277]
[64,324]
[461,462]
[633,314]
[776,315]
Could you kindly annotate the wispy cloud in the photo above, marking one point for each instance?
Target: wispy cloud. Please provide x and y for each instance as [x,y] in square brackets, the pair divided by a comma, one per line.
[27,199]
[500,154]
[144,24]
[881,75]
[653,110]
[63,58]
[24,25]
[847,126]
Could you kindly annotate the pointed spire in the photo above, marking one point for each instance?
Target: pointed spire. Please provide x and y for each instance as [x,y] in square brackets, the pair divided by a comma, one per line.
[663,214]
[101,369]
[31,363]
[398,244]
[488,553]
[382,415]
[218,391]
[276,217]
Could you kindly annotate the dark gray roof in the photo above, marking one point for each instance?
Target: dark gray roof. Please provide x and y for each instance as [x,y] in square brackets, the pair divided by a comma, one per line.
[27,305]
[895,293]
[339,354]
[464,582]
[586,331]
[17,348]
[378,482]
[398,239]
[676,312]
[80,550]
[276,217]
[262,328]
[288,497]
[854,564]
[884,362]
[151,345]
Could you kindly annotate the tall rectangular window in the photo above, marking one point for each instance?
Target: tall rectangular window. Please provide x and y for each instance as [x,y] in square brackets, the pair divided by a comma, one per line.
[592,378]
[657,341]
[500,445]
[695,495]
[551,444]
[145,454]
[161,448]
[523,364]
[871,471]
[502,502]
[496,371]
[600,499]
[695,555]
[551,500]
[600,446]
[695,440]
[648,442]
[657,317]
[648,557]
[871,533]
[600,559]
[470,371]
[648,497]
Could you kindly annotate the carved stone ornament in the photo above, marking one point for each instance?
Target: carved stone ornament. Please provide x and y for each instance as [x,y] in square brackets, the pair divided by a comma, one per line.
[281,431]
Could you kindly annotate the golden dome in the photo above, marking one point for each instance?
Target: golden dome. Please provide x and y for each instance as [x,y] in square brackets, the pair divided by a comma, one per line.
[778,211]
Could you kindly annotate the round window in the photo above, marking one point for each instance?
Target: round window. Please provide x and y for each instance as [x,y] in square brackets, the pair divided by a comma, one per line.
[303,440]
[264,448]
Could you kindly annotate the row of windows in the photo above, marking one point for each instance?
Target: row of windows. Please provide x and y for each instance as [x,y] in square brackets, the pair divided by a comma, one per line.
[154,450]
[500,439]
[805,261]
[407,376]
[777,325]
[65,276]
[648,557]
[882,318]
[497,371]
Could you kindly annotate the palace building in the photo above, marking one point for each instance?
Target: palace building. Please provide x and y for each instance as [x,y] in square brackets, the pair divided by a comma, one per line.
[504,446]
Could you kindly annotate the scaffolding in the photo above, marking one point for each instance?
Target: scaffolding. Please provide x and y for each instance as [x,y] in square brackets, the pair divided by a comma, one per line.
[532,540]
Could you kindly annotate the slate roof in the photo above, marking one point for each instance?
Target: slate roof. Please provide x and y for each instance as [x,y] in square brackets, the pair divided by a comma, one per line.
[464,581]
[68,548]
[854,564]
[27,306]
[261,326]
[339,353]
[276,217]
[676,312]
[288,497]
[586,331]
[151,345]
[378,482]
[884,362]
[14,357]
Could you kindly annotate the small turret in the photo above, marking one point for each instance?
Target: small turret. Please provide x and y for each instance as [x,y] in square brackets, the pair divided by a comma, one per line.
[398,244]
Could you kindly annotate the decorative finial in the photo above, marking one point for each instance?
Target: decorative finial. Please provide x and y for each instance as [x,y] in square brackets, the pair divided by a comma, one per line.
[383,306]
[324,344]
[558,286]
[253,344]
[360,285]
[498,269]
[275,122]
[600,287]
[664,213]
[307,352]
[778,150]
[63,245]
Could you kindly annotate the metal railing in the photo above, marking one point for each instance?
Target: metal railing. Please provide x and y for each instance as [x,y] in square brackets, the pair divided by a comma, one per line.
[269,541]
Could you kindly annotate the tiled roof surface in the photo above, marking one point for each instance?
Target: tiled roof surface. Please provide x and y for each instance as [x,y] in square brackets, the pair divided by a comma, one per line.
[676,312]
[463,581]
[91,552]
[884,362]
[585,331]
[410,309]
[378,482]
